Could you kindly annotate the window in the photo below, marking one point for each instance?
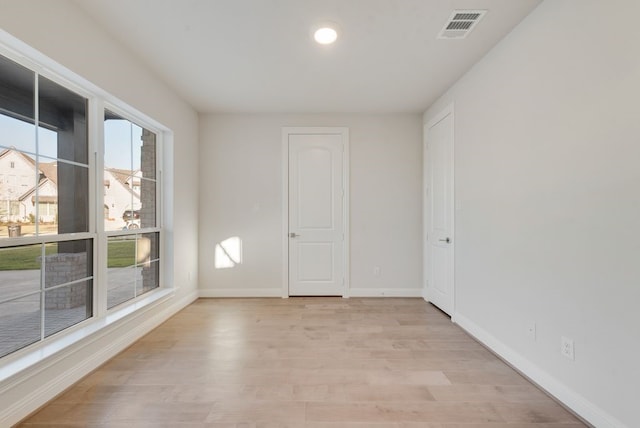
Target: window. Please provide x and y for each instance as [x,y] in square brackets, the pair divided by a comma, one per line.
[14,208]
[46,283]
[130,171]
[54,213]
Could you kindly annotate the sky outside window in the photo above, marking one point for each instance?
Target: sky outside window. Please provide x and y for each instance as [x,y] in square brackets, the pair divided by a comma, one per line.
[122,140]
[20,134]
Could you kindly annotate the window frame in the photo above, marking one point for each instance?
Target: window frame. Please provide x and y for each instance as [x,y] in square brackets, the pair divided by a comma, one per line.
[97,101]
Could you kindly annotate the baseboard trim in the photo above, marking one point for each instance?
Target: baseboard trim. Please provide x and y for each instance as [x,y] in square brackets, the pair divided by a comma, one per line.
[277,292]
[115,343]
[385,292]
[241,292]
[574,401]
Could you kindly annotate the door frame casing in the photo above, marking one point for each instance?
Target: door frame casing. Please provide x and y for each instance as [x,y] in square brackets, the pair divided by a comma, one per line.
[344,133]
[427,195]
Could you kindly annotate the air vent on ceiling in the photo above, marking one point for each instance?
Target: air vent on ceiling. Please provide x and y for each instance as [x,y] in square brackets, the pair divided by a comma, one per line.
[460,24]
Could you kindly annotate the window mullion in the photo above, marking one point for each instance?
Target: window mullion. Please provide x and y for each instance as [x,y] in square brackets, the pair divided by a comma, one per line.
[42,288]
[101,248]
[36,115]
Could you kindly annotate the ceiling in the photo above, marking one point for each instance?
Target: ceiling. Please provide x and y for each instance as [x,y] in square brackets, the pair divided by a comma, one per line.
[259,56]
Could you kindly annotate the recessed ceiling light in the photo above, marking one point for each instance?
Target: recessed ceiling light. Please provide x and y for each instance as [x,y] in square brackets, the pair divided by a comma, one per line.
[325,34]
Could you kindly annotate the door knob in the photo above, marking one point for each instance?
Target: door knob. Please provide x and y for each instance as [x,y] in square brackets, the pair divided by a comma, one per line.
[445,240]
[293,235]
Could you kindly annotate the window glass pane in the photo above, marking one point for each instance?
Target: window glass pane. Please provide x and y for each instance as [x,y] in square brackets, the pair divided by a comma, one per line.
[121,251]
[121,285]
[146,150]
[133,266]
[118,134]
[58,204]
[19,323]
[67,262]
[150,278]
[17,134]
[19,271]
[63,206]
[17,185]
[121,272]
[66,306]
[147,247]
[17,114]
[63,131]
[129,159]
[121,183]
[120,213]
[147,259]
[148,200]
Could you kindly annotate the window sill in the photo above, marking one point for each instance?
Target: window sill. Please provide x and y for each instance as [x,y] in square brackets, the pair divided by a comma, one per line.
[118,313]
[48,348]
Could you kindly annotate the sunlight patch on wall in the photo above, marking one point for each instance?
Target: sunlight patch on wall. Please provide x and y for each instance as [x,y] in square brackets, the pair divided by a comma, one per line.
[228,253]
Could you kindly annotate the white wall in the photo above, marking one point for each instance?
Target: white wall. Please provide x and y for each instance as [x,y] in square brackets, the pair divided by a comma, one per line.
[548,202]
[241,195]
[61,31]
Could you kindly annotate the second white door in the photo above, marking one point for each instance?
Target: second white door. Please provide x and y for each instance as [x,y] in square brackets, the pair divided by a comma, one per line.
[316,232]
[439,221]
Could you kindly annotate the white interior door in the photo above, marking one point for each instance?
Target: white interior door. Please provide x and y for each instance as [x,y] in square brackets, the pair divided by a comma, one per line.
[439,221]
[316,215]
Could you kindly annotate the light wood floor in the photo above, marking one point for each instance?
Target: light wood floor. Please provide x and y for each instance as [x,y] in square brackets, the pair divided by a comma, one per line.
[305,362]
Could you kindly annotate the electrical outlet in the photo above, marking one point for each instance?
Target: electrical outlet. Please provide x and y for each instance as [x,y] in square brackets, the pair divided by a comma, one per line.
[567,348]
[531,330]
[376,270]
